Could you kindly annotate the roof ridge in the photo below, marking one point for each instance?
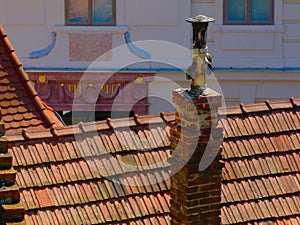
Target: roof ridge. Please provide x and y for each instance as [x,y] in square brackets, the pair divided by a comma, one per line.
[260,107]
[136,120]
[85,127]
[37,101]
[253,199]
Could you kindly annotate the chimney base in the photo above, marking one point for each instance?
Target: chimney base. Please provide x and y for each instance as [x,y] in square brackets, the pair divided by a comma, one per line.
[195,161]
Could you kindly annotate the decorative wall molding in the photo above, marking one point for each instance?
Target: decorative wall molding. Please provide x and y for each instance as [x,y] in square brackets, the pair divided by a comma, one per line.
[89,47]
[43,52]
[204,1]
[66,91]
[291,1]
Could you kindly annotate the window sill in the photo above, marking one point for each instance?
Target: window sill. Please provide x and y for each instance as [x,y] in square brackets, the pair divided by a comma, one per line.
[90,29]
[248,28]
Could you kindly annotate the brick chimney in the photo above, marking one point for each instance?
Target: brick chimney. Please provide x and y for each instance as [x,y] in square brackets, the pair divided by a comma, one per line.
[11,210]
[195,161]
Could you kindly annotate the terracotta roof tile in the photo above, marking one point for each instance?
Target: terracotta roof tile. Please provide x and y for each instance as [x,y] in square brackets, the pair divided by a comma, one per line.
[11,209]
[17,96]
[75,173]
[51,176]
[261,151]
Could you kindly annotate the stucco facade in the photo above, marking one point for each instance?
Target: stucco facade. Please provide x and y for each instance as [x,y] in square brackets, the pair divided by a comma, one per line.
[251,62]
[256,62]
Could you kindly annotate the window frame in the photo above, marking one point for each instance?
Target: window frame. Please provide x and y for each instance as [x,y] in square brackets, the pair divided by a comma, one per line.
[90,15]
[248,15]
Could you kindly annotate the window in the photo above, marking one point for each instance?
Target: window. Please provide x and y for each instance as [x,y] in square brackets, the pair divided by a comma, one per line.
[248,11]
[90,12]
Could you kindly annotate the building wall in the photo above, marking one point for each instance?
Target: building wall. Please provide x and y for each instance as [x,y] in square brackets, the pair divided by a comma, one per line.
[291,36]
[30,25]
[252,63]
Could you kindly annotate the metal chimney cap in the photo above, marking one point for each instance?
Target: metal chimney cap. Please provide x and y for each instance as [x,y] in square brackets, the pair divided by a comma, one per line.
[200,19]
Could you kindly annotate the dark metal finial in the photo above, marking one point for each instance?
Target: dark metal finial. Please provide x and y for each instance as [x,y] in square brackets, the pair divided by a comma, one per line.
[200,19]
[202,60]
[200,24]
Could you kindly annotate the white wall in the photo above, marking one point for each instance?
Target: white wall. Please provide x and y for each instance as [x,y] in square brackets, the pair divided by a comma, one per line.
[255,86]
[291,38]
[30,24]
[254,52]
[264,59]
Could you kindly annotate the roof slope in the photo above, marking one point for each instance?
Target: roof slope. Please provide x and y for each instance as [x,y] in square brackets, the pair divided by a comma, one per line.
[69,179]
[20,105]
[261,176]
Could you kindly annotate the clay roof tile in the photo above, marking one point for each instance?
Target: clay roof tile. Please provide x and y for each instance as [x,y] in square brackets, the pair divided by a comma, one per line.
[17,90]
[81,173]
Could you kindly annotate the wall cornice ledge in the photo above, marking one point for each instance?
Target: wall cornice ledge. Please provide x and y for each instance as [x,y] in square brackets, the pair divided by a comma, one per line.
[90,29]
[220,28]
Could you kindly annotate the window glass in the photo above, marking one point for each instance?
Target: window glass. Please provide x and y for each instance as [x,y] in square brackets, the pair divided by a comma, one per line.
[78,11]
[102,11]
[260,10]
[90,12]
[248,11]
[236,10]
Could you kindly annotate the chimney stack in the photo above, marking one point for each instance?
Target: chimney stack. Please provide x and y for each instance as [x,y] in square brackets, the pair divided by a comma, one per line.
[196,140]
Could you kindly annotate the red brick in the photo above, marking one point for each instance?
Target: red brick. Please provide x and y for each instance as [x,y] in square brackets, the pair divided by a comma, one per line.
[199,189]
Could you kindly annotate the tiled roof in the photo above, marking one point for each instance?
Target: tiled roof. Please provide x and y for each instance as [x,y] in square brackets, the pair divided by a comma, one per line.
[20,105]
[68,179]
[261,152]
[11,210]
[76,174]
